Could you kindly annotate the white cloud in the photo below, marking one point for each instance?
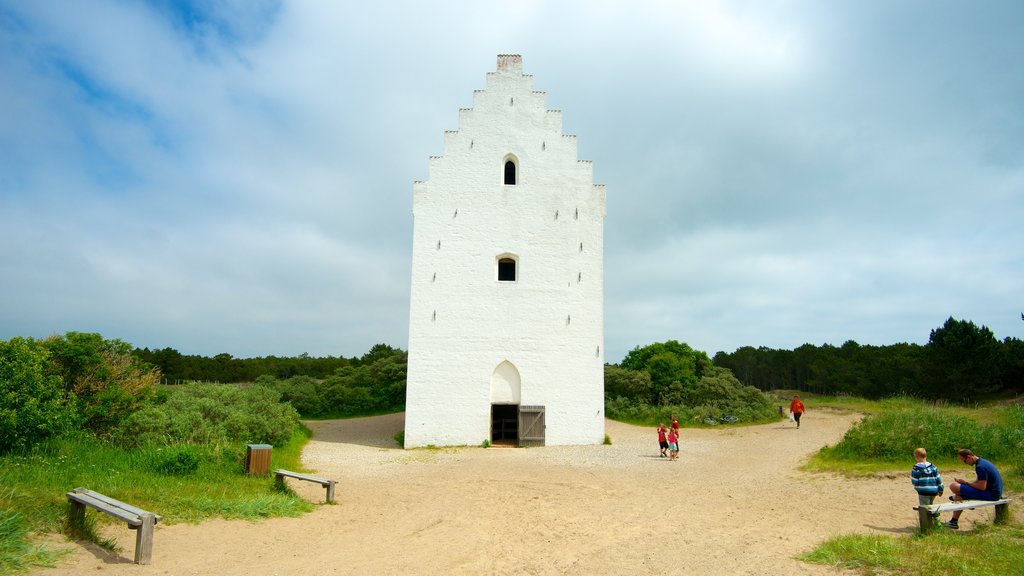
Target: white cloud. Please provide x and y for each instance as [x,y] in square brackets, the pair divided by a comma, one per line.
[239,180]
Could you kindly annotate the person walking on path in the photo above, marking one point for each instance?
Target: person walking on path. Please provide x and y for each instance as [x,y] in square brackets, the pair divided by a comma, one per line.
[925,478]
[796,408]
[662,440]
[987,486]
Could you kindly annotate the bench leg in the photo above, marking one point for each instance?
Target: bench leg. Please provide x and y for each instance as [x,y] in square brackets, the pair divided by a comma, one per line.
[76,517]
[925,519]
[330,491]
[144,540]
[1002,513]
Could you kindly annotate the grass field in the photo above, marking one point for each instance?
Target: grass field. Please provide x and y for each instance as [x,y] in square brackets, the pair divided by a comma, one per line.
[181,483]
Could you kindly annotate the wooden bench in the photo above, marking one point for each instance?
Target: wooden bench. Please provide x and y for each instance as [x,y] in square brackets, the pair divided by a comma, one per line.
[926,513]
[329,484]
[139,520]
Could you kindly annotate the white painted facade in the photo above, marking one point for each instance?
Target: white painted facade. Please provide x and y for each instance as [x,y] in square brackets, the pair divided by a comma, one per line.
[475,341]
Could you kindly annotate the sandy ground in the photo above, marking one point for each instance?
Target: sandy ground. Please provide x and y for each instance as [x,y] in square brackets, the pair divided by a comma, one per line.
[734,503]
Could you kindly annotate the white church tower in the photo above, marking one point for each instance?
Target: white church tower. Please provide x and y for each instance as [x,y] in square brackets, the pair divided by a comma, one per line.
[506,327]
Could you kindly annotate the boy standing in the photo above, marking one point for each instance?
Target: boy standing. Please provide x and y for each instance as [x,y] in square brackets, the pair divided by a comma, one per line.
[662,440]
[925,478]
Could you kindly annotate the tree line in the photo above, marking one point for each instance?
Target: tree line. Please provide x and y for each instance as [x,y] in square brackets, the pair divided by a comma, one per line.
[962,362]
[176,367]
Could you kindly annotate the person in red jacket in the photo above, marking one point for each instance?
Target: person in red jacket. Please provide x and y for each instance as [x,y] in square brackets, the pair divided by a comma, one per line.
[796,408]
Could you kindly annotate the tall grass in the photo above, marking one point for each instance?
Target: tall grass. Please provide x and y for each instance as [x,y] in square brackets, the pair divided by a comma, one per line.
[17,552]
[889,435]
[151,477]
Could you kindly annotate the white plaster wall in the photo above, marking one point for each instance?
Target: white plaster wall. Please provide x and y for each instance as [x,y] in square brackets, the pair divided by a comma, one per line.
[463,322]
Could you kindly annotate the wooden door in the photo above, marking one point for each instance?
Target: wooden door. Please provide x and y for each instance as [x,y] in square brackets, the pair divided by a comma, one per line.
[531,425]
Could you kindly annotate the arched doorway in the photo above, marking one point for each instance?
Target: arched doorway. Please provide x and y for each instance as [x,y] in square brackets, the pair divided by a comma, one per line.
[506,389]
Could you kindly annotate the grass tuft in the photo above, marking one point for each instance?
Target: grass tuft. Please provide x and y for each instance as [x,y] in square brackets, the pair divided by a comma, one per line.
[985,551]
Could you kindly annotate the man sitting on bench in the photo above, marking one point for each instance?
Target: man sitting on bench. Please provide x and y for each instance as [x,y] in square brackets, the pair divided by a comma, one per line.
[987,486]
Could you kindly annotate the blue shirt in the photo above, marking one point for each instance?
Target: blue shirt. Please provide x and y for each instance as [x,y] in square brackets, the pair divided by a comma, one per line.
[987,471]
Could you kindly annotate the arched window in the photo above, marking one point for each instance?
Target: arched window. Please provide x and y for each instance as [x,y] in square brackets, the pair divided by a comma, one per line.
[510,173]
[507,266]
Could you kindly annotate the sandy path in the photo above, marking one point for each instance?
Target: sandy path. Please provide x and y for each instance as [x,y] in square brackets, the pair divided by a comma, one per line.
[734,503]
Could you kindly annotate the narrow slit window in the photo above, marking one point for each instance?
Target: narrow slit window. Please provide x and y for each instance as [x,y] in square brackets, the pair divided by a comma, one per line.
[510,173]
[506,270]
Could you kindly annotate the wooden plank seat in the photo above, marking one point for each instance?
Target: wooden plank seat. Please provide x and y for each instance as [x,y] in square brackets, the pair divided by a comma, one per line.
[137,519]
[328,484]
[926,513]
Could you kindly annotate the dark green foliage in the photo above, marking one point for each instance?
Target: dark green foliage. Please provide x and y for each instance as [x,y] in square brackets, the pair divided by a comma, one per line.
[690,387]
[107,380]
[33,403]
[633,385]
[178,368]
[1011,364]
[962,362]
[211,414]
[673,367]
[300,391]
[371,385]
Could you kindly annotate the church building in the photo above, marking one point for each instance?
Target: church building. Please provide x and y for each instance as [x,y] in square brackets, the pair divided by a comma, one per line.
[506,325]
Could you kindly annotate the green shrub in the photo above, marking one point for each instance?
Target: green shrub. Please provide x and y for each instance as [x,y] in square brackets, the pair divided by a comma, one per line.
[33,404]
[211,414]
[177,462]
[375,384]
[717,393]
[108,381]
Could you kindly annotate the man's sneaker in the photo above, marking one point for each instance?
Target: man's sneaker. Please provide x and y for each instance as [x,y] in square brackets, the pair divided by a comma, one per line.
[953,525]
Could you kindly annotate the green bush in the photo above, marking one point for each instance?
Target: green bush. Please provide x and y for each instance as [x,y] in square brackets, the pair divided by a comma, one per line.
[373,385]
[177,462]
[211,414]
[108,381]
[33,404]
[717,393]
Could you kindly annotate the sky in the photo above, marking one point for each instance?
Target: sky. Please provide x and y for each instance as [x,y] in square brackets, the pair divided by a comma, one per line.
[235,176]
